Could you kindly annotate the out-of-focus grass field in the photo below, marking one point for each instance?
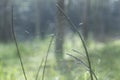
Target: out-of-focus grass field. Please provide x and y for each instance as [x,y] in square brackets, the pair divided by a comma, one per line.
[104,58]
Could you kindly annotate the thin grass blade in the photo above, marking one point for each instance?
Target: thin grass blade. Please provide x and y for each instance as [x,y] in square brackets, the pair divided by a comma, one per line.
[82,62]
[83,42]
[39,69]
[47,56]
[16,44]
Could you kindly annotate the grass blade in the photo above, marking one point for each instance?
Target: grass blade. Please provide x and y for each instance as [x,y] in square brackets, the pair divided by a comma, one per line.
[83,42]
[78,60]
[39,69]
[76,51]
[16,44]
[47,56]
[81,62]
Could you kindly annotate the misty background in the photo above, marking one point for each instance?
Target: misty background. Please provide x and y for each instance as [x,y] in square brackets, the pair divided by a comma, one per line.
[38,18]
[43,32]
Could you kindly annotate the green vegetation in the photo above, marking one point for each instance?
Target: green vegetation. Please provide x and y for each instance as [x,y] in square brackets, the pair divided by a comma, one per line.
[104,58]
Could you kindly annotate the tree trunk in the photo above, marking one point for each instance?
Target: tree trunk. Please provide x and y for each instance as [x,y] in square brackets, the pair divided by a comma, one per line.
[60,32]
[86,19]
[37,17]
[5,28]
[61,62]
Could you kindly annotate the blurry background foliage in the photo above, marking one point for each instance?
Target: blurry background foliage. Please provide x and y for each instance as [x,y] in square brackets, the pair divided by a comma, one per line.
[35,20]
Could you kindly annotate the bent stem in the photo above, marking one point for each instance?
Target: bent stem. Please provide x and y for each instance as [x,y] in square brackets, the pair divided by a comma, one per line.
[15,41]
[79,34]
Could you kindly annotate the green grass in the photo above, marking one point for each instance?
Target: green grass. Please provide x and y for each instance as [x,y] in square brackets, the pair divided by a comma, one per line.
[104,58]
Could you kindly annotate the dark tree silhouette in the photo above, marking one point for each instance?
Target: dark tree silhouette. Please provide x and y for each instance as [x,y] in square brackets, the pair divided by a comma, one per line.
[59,32]
[5,27]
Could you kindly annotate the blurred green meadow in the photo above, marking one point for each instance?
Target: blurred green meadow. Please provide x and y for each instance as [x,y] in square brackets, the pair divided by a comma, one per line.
[104,57]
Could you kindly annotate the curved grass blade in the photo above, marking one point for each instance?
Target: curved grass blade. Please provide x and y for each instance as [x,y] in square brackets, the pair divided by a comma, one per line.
[15,41]
[79,34]
[76,51]
[82,62]
[47,56]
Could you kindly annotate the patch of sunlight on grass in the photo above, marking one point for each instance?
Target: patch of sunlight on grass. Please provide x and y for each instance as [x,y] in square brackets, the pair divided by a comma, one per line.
[116,42]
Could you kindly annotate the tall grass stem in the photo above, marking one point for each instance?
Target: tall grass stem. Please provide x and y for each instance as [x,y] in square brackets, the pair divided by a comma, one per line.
[79,34]
[15,40]
[39,69]
[47,56]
